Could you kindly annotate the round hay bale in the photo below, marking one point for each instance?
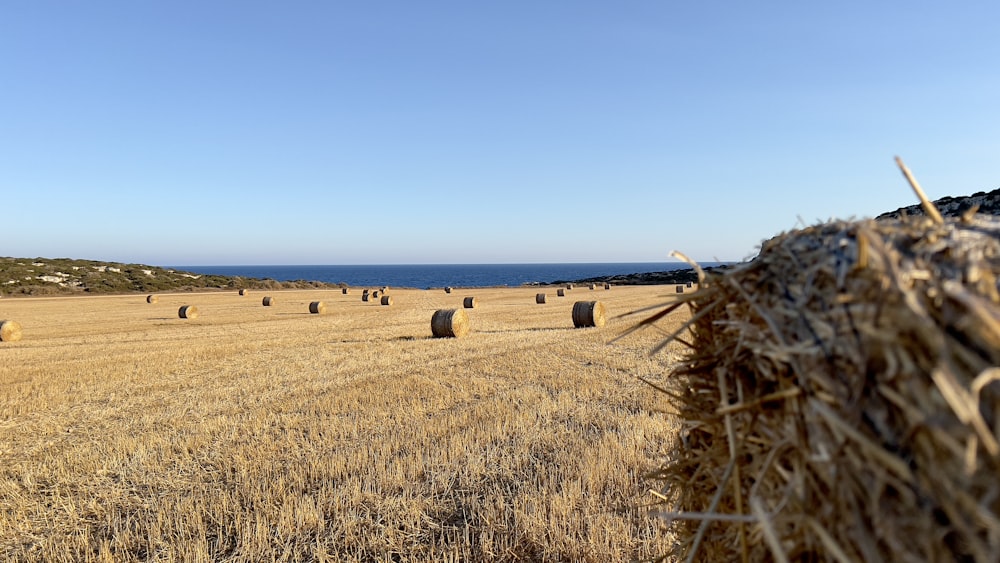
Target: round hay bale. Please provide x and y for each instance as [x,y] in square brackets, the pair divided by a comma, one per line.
[317,307]
[560,292]
[385,289]
[607,286]
[470,302]
[841,389]
[447,289]
[450,323]
[366,296]
[680,289]
[374,295]
[244,292]
[386,300]
[10,331]
[588,313]
[346,291]
[539,298]
[569,286]
[688,284]
[268,301]
[188,312]
[593,287]
[152,299]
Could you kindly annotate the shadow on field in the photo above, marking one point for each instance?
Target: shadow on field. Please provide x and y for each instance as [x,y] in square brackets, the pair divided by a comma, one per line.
[395,338]
[534,329]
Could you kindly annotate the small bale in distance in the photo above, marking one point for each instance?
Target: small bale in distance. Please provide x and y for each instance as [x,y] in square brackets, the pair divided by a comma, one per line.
[470,302]
[244,292]
[268,301]
[593,287]
[152,298]
[569,286]
[346,291]
[539,298]
[449,323]
[689,284]
[374,294]
[447,289]
[607,286]
[366,296]
[680,289]
[588,313]
[386,300]
[560,292]
[317,307]
[385,289]
[188,312]
[10,331]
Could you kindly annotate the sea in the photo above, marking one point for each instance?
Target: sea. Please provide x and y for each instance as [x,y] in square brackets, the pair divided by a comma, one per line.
[423,276]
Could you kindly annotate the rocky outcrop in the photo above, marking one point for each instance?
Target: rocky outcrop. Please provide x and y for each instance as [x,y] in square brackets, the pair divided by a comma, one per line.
[988,203]
[643,278]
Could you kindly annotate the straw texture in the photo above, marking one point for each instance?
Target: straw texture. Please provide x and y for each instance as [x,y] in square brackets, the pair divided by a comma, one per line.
[840,400]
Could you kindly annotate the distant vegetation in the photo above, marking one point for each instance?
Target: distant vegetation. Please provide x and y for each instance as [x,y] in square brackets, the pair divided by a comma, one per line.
[65,276]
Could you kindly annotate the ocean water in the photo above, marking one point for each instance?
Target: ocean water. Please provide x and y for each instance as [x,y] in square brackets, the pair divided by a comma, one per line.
[440,275]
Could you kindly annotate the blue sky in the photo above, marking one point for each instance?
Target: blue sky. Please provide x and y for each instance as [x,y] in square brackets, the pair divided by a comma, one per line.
[246,132]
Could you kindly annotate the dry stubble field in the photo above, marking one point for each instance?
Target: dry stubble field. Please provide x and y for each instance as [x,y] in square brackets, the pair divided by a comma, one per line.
[269,434]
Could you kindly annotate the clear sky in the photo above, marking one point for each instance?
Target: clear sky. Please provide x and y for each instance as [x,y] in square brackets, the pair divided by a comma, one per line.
[335,132]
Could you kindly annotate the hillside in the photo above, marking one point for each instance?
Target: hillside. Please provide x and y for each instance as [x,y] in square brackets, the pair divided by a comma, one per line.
[65,276]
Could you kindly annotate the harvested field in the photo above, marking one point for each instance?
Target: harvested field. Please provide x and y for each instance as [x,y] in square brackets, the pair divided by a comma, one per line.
[260,433]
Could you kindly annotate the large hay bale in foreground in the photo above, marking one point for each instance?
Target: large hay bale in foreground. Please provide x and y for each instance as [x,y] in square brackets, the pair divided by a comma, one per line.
[450,323]
[317,307]
[840,398]
[152,299]
[10,331]
[187,312]
[588,313]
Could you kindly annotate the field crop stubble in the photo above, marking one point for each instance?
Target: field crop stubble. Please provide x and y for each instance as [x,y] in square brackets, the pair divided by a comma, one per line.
[258,433]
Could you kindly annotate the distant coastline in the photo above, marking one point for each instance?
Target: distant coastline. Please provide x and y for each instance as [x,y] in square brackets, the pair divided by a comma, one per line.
[63,276]
[426,276]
